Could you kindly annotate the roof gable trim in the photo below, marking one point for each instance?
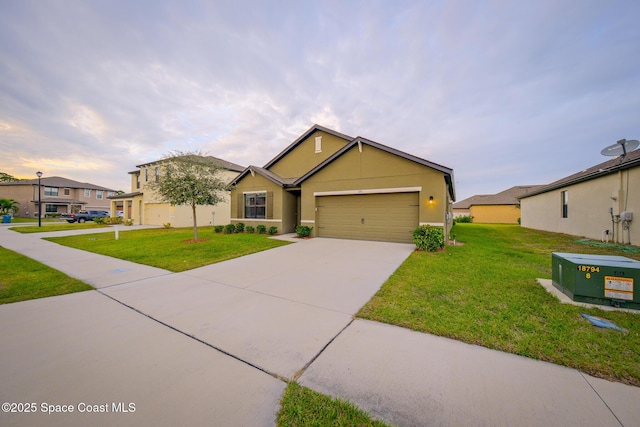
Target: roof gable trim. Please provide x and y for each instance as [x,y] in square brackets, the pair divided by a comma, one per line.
[301,139]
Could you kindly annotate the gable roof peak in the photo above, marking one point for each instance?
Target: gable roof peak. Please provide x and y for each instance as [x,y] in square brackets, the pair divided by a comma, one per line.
[301,138]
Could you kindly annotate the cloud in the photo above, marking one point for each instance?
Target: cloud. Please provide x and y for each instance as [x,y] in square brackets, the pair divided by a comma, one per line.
[505,93]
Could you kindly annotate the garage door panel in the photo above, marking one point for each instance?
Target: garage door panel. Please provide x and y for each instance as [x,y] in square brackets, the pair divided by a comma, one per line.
[385,217]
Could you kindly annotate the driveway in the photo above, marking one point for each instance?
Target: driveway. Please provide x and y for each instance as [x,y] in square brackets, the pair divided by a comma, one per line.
[205,347]
[275,310]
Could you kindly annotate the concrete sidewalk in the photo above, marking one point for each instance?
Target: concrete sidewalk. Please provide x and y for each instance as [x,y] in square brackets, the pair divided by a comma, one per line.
[97,270]
[409,378]
[212,346]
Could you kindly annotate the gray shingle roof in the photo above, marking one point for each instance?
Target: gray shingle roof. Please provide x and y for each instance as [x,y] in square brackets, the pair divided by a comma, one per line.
[631,160]
[218,161]
[283,182]
[510,196]
[58,181]
[360,140]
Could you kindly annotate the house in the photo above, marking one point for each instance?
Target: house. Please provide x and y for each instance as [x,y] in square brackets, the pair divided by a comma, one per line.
[344,187]
[500,208]
[143,206]
[57,194]
[597,202]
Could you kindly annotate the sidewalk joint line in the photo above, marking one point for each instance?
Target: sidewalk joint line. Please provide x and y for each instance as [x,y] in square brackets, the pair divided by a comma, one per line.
[603,401]
[313,359]
[272,374]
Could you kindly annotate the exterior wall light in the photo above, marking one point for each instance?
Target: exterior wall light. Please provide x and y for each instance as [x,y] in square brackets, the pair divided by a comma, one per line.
[430,199]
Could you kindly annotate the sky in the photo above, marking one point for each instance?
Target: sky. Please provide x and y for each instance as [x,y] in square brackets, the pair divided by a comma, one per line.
[503,92]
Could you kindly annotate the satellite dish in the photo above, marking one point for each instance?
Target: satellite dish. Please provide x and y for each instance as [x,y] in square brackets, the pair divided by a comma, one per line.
[621,148]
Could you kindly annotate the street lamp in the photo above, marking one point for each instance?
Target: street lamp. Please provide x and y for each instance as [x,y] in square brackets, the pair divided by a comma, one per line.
[39,200]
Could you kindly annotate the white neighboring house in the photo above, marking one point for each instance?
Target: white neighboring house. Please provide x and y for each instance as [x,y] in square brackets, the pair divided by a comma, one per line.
[601,202]
[143,207]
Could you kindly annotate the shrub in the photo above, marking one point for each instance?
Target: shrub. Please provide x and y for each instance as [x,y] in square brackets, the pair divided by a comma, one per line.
[218,228]
[99,220]
[113,220]
[249,229]
[128,222]
[229,229]
[273,230]
[240,227]
[463,219]
[303,230]
[166,225]
[261,229]
[428,238]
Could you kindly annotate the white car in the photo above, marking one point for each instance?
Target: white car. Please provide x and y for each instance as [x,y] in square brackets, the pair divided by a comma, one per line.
[120,214]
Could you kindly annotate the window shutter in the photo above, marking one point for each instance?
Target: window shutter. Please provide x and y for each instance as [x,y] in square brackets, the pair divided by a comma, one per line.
[240,212]
[269,207]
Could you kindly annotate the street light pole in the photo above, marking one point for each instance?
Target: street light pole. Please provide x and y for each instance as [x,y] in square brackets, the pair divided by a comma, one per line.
[39,200]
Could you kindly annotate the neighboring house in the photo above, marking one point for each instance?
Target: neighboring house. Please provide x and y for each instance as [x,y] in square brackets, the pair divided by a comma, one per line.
[500,208]
[143,206]
[57,195]
[344,187]
[590,203]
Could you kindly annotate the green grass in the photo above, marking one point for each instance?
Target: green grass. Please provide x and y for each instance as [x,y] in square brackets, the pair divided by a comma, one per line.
[171,249]
[21,220]
[56,227]
[302,407]
[485,293]
[24,279]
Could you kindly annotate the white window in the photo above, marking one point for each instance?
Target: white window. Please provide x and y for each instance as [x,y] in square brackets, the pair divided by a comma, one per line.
[565,203]
[111,193]
[50,191]
[318,144]
[255,205]
[157,174]
[99,194]
[87,192]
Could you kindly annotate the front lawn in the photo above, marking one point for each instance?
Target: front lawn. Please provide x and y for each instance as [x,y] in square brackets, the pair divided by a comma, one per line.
[171,249]
[485,293]
[24,279]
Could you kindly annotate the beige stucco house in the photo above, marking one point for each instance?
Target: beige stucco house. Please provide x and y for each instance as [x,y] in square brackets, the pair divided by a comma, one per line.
[143,206]
[500,208]
[344,187]
[58,195]
[598,202]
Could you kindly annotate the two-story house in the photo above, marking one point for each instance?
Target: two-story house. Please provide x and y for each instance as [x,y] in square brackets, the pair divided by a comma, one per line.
[57,194]
[143,206]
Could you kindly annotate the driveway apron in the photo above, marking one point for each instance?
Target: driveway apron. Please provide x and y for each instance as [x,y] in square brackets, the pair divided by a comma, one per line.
[114,367]
[275,310]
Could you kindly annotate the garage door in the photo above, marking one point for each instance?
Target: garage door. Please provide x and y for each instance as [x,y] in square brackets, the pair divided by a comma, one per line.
[386,217]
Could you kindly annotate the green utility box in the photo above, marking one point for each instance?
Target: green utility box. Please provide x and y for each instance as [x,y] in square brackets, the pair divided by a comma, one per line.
[597,279]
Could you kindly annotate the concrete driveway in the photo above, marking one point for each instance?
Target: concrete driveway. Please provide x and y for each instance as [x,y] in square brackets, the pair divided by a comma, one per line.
[182,348]
[275,310]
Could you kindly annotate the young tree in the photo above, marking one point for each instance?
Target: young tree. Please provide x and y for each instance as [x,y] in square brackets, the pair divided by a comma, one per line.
[190,178]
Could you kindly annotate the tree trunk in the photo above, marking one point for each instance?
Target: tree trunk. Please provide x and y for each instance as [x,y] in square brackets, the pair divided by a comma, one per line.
[195,223]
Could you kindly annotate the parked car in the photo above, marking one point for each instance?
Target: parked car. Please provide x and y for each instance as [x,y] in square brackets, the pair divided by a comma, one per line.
[120,214]
[83,216]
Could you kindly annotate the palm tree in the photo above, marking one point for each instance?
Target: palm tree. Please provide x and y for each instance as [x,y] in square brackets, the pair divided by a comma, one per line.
[8,206]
